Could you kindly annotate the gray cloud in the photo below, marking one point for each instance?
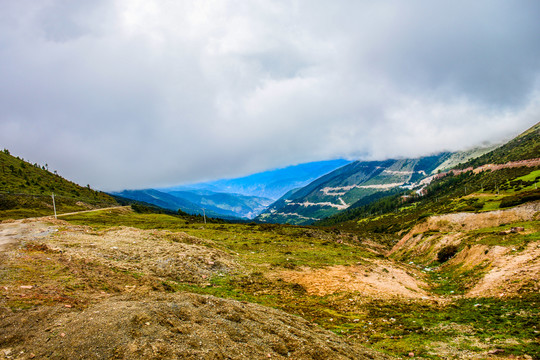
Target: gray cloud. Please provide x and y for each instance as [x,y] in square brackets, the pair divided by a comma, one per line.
[130,94]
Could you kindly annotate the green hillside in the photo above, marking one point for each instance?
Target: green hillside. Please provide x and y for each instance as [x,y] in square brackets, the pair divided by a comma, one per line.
[484,191]
[524,146]
[26,189]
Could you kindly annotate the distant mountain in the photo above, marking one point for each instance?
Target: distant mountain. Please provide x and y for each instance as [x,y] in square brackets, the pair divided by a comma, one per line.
[347,185]
[220,205]
[227,204]
[160,199]
[269,184]
[504,177]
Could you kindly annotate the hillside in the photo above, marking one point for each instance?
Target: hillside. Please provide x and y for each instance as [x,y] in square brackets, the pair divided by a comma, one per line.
[448,269]
[240,291]
[522,147]
[26,190]
[171,202]
[484,188]
[343,187]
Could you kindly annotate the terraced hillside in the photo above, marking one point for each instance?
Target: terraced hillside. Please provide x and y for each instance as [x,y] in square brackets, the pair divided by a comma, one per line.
[343,187]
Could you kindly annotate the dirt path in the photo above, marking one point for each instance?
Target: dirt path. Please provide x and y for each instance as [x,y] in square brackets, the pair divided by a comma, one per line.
[12,231]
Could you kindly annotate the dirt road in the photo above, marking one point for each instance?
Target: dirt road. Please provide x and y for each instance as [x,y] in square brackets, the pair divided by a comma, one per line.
[11,232]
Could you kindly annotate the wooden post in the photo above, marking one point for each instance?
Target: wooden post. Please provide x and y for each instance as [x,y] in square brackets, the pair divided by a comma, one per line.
[54,206]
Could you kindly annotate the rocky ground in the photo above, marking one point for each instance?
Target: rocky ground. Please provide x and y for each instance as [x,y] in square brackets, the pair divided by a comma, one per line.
[68,292]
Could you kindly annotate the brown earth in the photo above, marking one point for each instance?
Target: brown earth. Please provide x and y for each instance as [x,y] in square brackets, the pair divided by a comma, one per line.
[162,254]
[464,221]
[510,272]
[501,270]
[179,326]
[374,278]
[69,292]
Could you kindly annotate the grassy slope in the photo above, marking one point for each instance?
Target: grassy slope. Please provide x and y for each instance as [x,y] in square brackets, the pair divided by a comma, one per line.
[525,146]
[25,190]
[486,191]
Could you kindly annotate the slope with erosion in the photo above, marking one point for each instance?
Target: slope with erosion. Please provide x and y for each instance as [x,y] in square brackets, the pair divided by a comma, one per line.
[26,190]
[112,275]
[495,253]
[343,187]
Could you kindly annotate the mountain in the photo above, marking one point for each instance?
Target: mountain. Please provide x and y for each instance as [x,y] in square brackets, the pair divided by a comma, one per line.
[160,199]
[269,184]
[218,205]
[26,190]
[504,177]
[343,187]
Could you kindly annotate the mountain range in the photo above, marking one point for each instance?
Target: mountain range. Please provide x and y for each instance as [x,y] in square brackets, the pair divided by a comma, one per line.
[359,182]
[243,197]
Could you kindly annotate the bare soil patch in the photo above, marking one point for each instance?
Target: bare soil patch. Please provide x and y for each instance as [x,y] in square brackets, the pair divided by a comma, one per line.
[460,222]
[376,278]
[70,292]
[510,273]
[163,254]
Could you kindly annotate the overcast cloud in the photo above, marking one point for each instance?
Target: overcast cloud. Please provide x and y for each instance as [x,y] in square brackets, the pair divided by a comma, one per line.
[132,94]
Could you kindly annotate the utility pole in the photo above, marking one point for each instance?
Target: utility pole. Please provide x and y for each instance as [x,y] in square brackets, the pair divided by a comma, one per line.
[54,206]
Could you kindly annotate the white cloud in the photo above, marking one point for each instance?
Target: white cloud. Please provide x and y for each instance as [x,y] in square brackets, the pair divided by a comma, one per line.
[130,94]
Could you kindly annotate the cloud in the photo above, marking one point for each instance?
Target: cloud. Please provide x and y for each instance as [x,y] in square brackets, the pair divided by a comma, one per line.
[130,94]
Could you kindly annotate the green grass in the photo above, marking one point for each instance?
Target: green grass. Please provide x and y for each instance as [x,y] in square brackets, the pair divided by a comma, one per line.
[280,246]
[397,326]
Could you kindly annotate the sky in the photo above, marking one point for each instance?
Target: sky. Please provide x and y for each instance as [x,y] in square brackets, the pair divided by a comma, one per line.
[127,94]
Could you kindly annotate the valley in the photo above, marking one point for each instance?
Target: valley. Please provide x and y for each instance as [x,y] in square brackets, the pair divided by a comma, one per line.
[448,268]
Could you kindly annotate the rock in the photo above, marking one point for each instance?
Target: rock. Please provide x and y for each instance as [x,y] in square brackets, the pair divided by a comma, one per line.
[26,286]
[411,354]
[7,351]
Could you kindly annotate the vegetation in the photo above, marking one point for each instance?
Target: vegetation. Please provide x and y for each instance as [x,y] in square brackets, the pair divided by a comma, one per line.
[485,191]
[440,262]
[26,190]
[522,147]
[395,326]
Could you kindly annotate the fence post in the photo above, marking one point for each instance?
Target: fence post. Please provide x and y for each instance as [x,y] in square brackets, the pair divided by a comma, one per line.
[54,206]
